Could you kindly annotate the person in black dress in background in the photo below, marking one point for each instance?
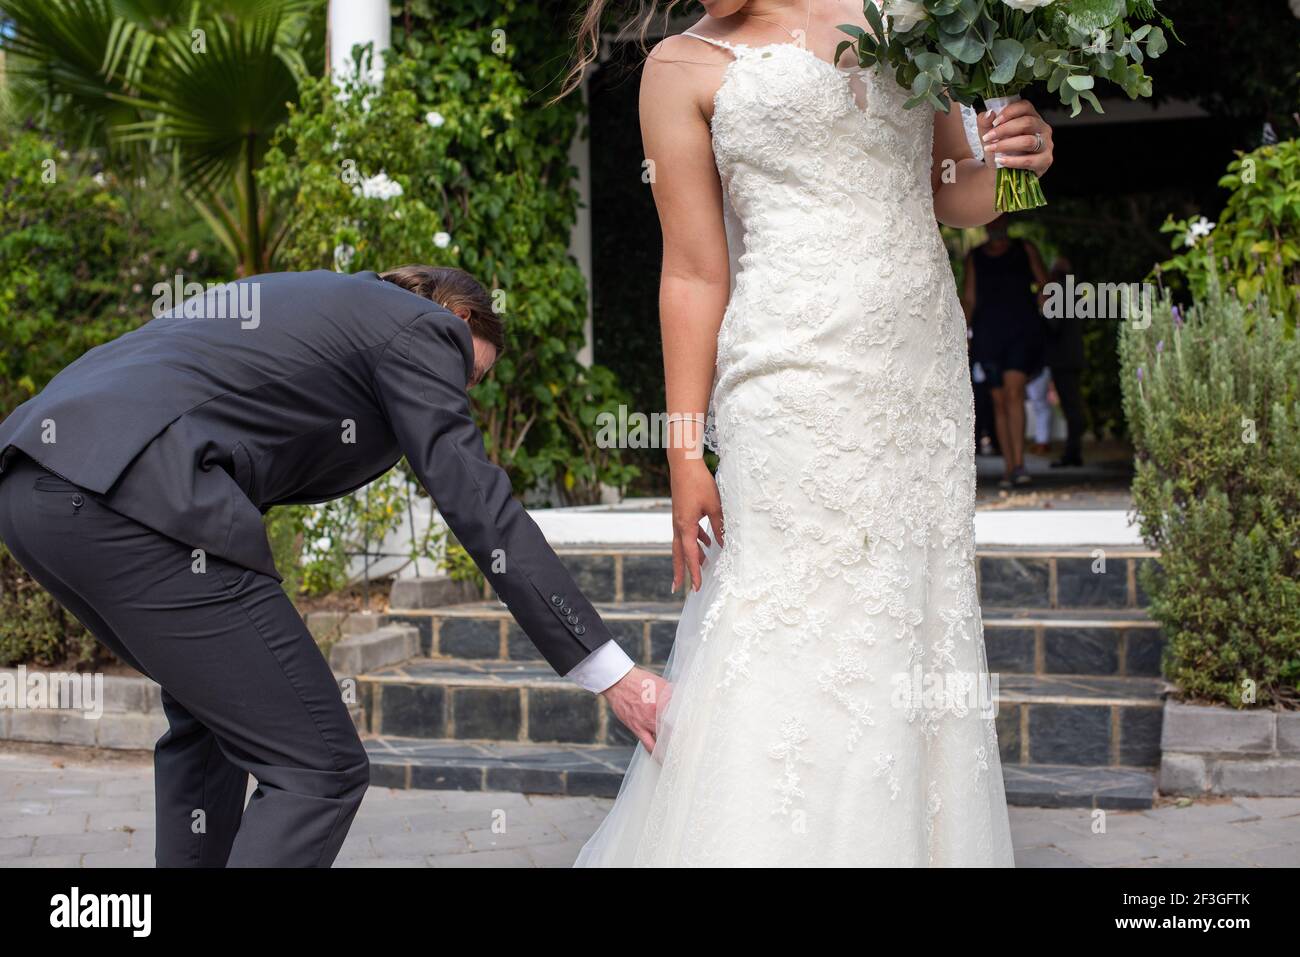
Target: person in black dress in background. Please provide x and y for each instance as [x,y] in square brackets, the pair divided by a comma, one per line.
[1001,307]
[1065,358]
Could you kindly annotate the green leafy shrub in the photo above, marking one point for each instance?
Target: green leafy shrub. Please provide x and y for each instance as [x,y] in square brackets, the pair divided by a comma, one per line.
[79,254]
[36,630]
[1254,248]
[457,161]
[315,546]
[1213,403]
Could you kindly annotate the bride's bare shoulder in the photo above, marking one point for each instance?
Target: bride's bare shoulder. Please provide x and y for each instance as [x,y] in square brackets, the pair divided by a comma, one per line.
[683,57]
[681,69]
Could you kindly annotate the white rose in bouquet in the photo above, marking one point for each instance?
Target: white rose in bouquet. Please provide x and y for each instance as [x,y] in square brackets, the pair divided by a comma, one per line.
[1027,5]
[904,14]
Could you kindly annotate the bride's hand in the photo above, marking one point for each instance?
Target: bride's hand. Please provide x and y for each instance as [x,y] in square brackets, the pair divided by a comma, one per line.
[1017,131]
[695,496]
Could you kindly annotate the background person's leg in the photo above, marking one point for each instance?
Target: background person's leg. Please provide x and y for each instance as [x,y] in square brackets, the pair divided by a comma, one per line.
[1013,401]
[1070,390]
[1036,390]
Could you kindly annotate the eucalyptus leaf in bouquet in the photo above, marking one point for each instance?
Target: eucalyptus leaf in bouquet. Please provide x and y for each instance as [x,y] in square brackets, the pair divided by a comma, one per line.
[991,50]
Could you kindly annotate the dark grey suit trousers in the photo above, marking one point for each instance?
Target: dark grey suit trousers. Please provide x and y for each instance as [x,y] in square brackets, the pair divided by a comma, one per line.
[245,688]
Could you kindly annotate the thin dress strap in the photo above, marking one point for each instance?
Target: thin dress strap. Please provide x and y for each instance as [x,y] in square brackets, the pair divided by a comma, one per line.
[717,43]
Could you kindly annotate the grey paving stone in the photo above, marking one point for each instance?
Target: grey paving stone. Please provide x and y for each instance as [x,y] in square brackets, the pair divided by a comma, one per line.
[132,858]
[418,844]
[1277,855]
[104,804]
[554,855]
[419,862]
[41,826]
[1109,849]
[1045,857]
[61,862]
[16,847]
[28,808]
[123,820]
[516,835]
[1202,813]
[511,857]
[80,843]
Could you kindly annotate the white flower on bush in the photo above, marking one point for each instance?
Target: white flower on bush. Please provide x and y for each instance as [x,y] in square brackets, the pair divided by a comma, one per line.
[343,254]
[378,186]
[1026,6]
[434,119]
[904,14]
[1198,230]
[442,240]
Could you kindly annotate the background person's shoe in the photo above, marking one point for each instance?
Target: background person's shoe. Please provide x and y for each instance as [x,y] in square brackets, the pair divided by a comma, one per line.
[1021,477]
[1068,462]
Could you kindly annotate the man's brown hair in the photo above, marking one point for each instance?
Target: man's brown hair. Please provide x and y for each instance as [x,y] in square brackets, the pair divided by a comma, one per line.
[453,289]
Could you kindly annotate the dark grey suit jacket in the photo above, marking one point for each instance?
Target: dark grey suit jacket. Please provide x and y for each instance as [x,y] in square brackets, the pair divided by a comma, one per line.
[195,426]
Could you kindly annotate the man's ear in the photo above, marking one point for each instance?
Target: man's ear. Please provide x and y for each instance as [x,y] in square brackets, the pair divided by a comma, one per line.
[462,311]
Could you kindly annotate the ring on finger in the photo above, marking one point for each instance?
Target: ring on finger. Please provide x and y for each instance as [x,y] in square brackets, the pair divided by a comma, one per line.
[1039,143]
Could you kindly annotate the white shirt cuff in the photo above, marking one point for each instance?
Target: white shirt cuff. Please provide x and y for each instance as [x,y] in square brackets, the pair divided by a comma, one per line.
[602,668]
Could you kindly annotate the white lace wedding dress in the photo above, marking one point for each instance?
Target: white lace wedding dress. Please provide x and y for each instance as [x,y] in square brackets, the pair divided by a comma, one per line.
[843,417]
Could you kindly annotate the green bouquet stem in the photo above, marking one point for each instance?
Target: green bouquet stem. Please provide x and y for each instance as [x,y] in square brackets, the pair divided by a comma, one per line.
[1018,190]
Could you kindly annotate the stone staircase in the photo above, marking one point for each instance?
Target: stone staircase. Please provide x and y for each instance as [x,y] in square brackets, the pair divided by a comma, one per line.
[455,696]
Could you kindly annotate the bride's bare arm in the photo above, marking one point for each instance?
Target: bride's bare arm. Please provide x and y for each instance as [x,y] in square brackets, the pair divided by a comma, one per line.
[963,186]
[693,290]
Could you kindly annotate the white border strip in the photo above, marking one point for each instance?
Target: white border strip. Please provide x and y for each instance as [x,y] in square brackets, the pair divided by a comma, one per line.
[1025,528]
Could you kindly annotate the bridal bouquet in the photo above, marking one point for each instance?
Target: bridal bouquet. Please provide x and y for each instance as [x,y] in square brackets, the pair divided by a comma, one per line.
[990,50]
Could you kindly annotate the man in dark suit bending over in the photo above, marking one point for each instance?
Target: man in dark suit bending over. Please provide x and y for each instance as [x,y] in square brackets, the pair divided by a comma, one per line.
[133,488]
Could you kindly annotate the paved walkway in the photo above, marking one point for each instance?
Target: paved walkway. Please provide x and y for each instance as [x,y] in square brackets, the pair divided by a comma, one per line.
[74,807]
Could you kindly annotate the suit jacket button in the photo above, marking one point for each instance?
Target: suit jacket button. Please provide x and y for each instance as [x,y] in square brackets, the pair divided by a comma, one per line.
[580,630]
[566,610]
[557,601]
[573,619]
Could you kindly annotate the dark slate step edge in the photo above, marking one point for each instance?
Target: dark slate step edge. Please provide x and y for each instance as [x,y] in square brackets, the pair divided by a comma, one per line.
[1026,786]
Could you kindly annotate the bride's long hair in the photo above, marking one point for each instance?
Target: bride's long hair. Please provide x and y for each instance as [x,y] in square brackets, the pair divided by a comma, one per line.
[589,30]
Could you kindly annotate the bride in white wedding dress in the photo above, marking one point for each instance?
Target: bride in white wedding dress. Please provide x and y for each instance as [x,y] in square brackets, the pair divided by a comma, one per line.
[829,700]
